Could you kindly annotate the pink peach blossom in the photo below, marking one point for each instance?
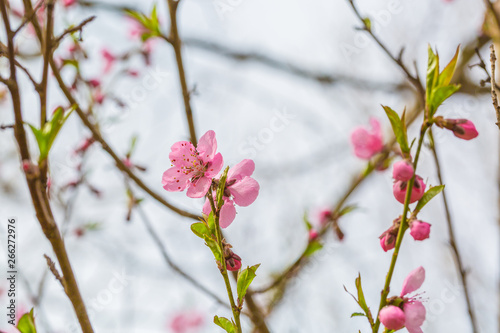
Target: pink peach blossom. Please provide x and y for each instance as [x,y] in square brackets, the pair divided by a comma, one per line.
[69,3]
[410,313]
[465,129]
[399,190]
[402,170]
[420,230]
[313,234]
[241,189]
[193,167]
[367,142]
[387,242]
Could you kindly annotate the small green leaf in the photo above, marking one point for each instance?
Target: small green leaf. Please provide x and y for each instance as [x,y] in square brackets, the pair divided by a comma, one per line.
[347,209]
[200,229]
[221,188]
[431,193]
[368,23]
[225,323]
[432,72]
[398,128]
[211,223]
[440,94]
[312,247]
[26,323]
[214,246]
[306,222]
[358,314]
[361,300]
[446,75]
[245,278]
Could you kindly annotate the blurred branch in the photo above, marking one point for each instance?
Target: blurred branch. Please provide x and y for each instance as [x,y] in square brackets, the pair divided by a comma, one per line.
[462,273]
[323,78]
[159,244]
[33,179]
[175,40]
[74,29]
[119,162]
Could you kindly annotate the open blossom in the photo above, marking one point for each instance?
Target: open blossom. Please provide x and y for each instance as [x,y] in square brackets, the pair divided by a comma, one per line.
[410,312]
[420,230]
[367,142]
[193,167]
[399,190]
[402,170]
[240,189]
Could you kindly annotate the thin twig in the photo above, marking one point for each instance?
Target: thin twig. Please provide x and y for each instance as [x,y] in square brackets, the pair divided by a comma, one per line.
[462,273]
[494,96]
[74,29]
[30,17]
[159,244]
[53,270]
[176,43]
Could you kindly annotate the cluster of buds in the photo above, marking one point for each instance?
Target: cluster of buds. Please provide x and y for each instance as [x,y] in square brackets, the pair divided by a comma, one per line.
[233,261]
[419,230]
[402,173]
[461,128]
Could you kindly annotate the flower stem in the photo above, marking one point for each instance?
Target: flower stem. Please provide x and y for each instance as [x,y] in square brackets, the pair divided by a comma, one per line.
[223,268]
[402,228]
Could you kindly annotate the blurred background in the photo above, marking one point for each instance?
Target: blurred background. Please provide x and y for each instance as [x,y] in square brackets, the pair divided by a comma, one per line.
[283,83]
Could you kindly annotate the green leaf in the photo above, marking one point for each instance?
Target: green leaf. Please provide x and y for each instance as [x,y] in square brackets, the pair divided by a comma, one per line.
[368,23]
[347,209]
[200,229]
[211,223]
[358,314]
[439,95]
[361,300]
[245,278]
[431,193]
[40,139]
[221,188]
[312,247]
[306,222]
[432,72]
[398,128]
[26,323]
[225,323]
[446,75]
[214,246]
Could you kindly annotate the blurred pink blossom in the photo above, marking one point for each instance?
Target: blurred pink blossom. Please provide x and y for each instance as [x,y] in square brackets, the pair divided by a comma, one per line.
[367,141]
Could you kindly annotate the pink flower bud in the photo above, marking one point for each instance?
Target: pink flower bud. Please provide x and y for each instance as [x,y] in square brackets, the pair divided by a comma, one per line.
[465,130]
[387,241]
[94,83]
[367,142]
[462,128]
[420,230]
[392,317]
[313,234]
[402,170]
[233,263]
[68,3]
[399,190]
[324,215]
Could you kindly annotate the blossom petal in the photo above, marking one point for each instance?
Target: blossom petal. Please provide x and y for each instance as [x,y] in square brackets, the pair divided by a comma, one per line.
[207,208]
[174,180]
[199,188]
[415,316]
[214,166]
[245,191]
[207,146]
[413,281]
[240,170]
[227,214]
[182,154]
